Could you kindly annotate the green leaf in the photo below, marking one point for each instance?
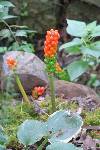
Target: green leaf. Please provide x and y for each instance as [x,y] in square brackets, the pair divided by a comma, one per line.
[27,48]
[3,49]
[74,50]
[95,45]
[6,3]
[14,47]
[76,28]
[74,42]
[5,33]
[4,12]
[91,52]
[2,147]
[21,33]
[91,26]
[63,126]
[76,68]
[31,131]
[62,146]
[96,31]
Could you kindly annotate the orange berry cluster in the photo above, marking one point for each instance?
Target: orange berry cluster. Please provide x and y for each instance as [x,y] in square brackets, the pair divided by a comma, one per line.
[11,62]
[51,42]
[38,91]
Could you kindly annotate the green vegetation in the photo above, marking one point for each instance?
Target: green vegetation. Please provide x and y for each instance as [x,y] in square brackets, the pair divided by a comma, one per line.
[53,122]
[92,118]
[85,43]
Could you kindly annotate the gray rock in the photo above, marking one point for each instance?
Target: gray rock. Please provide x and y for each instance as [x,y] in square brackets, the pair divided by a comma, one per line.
[69,90]
[30,69]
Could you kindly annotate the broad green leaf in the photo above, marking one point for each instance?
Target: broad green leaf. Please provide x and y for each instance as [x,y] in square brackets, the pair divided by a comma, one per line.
[3,49]
[74,42]
[76,28]
[76,69]
[6,3]
[21,33]
[14,47]
[63,126]
[91,52]
[62,146]
[2,147]
[73,50]
[95,45]
[31,131]
[96,34]
[96,31]
[5,33]
[26,48]
[3,13]
[91,26]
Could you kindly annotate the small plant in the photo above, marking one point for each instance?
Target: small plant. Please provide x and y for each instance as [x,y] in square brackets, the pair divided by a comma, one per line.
[12,63]
[59,129]
[85,43]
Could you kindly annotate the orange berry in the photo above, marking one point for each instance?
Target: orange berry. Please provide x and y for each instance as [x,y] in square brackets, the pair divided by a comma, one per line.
[11,62]
[50,45]
[58,68]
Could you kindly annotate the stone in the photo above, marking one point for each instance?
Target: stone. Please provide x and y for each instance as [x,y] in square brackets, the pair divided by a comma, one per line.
[69,90]
[30,69]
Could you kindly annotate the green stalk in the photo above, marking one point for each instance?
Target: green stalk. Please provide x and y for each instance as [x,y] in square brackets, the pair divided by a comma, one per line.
[52,92]
[22,89]
[43,143]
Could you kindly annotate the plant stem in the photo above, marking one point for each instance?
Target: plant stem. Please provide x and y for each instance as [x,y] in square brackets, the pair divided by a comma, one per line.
[52,92]
[22,89]
[43,143]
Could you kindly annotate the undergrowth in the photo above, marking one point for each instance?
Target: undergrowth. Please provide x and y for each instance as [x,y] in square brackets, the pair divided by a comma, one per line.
[13,113]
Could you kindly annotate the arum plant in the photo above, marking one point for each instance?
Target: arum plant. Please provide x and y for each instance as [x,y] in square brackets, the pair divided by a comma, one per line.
[12,64]
[50,49]
[52,67]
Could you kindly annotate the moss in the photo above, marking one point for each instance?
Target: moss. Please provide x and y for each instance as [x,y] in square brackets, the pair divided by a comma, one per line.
[92,118]
[12,114]
[60,104]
